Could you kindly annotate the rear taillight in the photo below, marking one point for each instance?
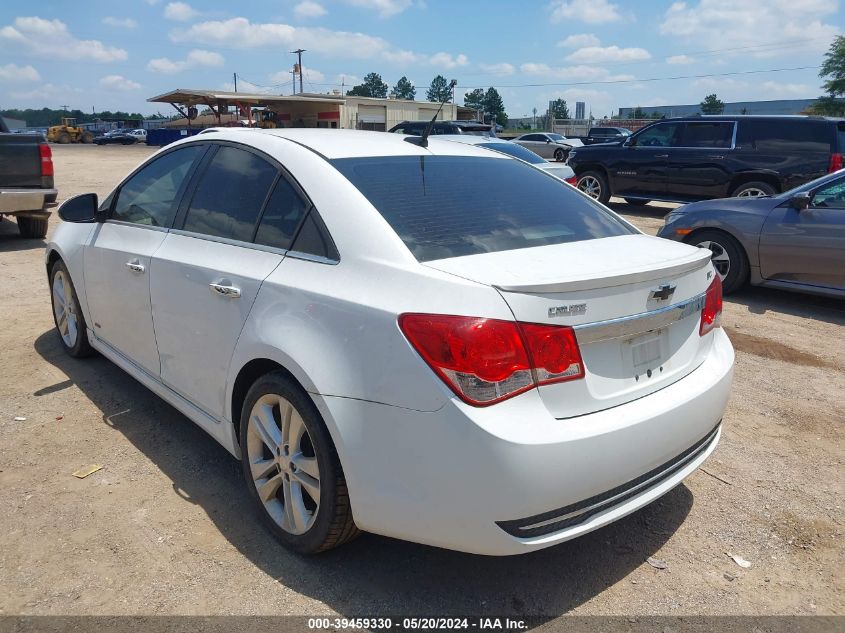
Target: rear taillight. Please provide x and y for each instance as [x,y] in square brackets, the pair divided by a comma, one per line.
[835,163]
[572,181]
[485,361]
[711,314]
[46,159]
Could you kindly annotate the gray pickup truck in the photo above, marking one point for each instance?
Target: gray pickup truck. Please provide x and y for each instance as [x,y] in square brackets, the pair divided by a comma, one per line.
[26,181]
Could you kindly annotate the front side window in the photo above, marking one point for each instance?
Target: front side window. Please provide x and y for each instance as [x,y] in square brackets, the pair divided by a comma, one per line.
[450,206]
[831,195]
[660,135]
[230,195]
[708,134]
[149,197]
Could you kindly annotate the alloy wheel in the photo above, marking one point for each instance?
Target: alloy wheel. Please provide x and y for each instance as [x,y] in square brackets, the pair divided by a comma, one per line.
[752,192]
[720,258]
[591,186]
[64,309]
[283,464]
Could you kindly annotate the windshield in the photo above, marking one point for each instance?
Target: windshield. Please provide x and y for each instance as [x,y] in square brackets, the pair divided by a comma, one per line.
[451,206]
[517,151]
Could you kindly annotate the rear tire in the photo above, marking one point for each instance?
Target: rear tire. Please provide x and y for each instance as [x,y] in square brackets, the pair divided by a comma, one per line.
[287,454]
[728,257]
[637,202]
[67,315]
[594,184]
[560,155]
[64,138]
[87,138]
[754,189]
[32,228]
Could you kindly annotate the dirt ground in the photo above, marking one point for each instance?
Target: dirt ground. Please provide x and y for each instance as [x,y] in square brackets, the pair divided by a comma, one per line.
[165,526]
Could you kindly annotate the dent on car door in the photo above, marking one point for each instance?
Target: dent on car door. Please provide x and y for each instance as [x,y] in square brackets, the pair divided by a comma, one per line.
[117,258]
[807,246]
[208,272]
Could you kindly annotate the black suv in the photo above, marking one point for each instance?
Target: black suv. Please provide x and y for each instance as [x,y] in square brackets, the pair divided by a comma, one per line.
[702,157]
[416,128]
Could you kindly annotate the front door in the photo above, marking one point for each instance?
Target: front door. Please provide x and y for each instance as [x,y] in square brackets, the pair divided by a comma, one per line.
[807,246]
[207,273]
[641,166]
[117,259]
[538,144]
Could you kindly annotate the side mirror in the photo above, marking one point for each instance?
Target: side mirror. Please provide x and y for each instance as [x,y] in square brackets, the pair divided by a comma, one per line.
[800,201]
[548,140]
[81,208]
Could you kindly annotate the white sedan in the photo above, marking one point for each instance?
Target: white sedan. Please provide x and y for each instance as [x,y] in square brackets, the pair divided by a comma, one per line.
[440,344]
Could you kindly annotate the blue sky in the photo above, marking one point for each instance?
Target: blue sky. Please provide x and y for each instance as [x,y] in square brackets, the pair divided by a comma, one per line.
[114,55]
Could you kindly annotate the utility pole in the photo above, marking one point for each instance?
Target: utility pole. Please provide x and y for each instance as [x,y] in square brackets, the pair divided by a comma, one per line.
[293,80]
[235,77]
[299,52]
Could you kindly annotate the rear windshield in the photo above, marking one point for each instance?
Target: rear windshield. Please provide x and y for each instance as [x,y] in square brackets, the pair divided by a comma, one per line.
[450,206]
[515,150]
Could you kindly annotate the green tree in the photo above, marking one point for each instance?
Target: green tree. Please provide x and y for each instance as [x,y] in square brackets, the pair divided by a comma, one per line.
[559,109]
[372,86]
[712,105]
[828,106]
[833,70]
[404,89]
[439,90]
[494,106]
[474,99]
[638,113]
[655,115]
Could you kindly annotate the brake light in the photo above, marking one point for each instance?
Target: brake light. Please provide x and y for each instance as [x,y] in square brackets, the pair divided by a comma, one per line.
[835,163]
[485,361]
[46,159]
[572,181]
[711,314]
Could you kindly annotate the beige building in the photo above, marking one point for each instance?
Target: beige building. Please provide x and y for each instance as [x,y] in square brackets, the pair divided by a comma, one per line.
[303,110]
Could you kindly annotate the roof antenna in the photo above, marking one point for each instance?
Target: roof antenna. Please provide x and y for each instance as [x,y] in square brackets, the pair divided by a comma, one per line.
[423,142]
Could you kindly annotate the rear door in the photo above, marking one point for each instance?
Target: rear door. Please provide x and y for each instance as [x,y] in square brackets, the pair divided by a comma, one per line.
[640,168]
[207,272]
[117,261]
[807,246]
[698,166]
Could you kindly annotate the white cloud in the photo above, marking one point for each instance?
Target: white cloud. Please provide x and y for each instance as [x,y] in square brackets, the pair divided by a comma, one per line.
[784,26]
[402,57]
[590,11]
[52,39]
[572,73]
[445,60]
[196,58]
[308,74]
[385,8]
[502,69]
[605,54]
[122,23]
[118,82]
[579,40]
[45,93]
[12,73]
[309,9]
[180,12]
[679,59]
[778,90]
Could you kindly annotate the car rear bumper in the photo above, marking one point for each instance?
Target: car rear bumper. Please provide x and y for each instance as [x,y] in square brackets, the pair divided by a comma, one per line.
[511,478]
[30,201]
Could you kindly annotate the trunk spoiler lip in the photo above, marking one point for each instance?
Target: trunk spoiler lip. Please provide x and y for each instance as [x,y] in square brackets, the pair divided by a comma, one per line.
[646,273]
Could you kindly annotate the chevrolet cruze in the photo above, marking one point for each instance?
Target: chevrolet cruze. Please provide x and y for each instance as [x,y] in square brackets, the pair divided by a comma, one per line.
[420,339]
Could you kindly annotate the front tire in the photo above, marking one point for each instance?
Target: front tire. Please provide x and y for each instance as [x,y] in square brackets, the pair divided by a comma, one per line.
[32,228]
[728,257]
[594,184]
[559,155]
[291,467]
[67,314]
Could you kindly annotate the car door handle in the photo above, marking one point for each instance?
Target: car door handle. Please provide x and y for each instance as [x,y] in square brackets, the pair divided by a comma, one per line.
[221,290]
[717,157]
[135,267]
[661,155]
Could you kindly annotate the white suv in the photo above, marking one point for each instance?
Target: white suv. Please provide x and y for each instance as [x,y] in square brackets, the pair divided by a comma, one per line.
[441,344]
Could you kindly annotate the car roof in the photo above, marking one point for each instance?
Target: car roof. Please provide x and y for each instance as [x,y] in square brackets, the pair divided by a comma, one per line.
[333,143]
[469,139]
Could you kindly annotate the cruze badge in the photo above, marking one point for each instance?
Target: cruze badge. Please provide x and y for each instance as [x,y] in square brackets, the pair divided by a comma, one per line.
[572,309]
[663,293]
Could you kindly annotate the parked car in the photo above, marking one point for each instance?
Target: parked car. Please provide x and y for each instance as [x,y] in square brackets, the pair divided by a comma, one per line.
[703,157]
[548,144]
[564,172]
[794,240]
[116,137]
[416,128]
[603,134]
[27,191]
[440,344]
[140,135]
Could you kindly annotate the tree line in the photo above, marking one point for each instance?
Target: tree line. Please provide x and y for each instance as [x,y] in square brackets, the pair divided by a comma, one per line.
[45,117]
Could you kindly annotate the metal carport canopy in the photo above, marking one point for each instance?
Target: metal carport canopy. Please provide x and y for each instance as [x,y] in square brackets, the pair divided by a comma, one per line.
[189,97]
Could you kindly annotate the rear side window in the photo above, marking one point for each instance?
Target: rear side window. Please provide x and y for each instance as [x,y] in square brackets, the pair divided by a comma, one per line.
[708,134]
[313,238]
[149,197]
[787,136]
[517,151]
[230,195]
[282,216]
[450,206]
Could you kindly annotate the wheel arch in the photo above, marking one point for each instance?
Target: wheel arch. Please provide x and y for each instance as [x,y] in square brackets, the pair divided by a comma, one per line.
[770,178]
[743,245]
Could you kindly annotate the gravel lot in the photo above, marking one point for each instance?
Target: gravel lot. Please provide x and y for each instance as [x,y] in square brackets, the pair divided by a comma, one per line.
[164,526]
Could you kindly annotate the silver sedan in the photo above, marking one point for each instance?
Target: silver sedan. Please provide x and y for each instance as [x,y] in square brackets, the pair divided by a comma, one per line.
[548,144]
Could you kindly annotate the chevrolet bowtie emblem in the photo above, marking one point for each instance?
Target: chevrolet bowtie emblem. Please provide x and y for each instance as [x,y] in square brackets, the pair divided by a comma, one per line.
[663,293]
